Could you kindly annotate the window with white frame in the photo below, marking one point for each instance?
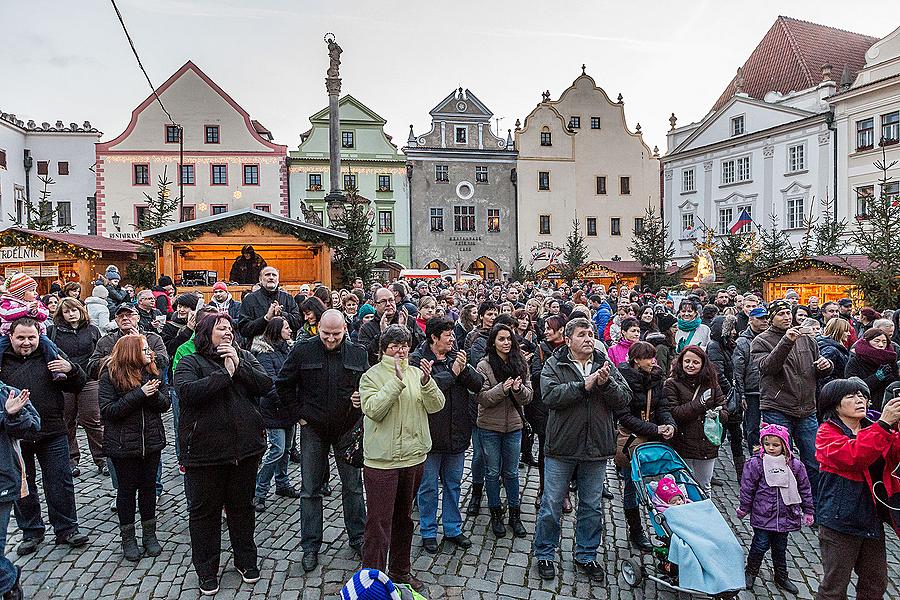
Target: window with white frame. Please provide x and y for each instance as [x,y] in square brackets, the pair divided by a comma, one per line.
[687,222]
[437,219]
[687,180]
[464,218]
[749,226]
[864,195]
[865,134]
[726,216]
[795,213]
[727,172]
[891,191]
[743,168]
[796,157]
[737,125]
[481,174]
[493,219]
[890,127]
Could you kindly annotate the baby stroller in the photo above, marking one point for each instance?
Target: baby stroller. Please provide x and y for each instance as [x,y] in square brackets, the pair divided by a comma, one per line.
[697,552]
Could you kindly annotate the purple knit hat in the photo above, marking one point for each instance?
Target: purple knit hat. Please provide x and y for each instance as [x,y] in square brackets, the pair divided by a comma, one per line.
[779,432]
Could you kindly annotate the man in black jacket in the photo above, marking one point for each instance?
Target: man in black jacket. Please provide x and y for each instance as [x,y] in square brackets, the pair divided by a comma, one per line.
[451,429]
[25,367]
[319,384]
[268,301]
[386,314]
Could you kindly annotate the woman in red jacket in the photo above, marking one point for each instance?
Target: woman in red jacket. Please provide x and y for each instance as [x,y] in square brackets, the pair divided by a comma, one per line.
[856,456]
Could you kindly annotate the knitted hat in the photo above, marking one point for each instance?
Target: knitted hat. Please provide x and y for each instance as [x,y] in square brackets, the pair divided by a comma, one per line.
[778,431]
[366,309]
[667,489]
[189,300]
[370,584]
[19,283]
[666,321]
[112,273]
[165,280]
[220,285]
[777,306]
[100,291]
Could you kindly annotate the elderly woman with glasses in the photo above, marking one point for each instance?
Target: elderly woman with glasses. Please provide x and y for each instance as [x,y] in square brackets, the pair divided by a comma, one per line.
[396,401]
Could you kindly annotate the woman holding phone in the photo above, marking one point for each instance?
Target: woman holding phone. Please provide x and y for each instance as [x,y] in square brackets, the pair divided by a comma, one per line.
[873,360]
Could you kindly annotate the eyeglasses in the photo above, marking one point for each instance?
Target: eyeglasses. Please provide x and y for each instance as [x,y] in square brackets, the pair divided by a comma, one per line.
[386,301]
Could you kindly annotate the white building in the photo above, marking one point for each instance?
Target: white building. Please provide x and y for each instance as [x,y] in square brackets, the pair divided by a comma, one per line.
[61,153]
[867,118]
[230,161]
[766,146]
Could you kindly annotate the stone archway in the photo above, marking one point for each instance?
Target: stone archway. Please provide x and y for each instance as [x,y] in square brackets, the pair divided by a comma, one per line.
[487,268]
[437,264]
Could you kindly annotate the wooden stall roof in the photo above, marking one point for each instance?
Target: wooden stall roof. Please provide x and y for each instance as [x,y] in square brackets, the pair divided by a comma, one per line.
[843,264]
[235,219]
[95,243]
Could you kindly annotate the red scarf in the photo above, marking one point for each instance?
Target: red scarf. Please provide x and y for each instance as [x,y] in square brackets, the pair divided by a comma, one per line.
[869,353]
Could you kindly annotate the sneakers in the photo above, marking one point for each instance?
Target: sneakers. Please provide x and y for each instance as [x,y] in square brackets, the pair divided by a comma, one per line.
[592,569]
[209,586]
[29,545]
[259,504]
[250,575]
[288,492]
[103,470]
[547,570]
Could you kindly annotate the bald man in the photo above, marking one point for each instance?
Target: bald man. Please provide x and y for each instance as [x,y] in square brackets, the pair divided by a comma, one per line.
[319,384]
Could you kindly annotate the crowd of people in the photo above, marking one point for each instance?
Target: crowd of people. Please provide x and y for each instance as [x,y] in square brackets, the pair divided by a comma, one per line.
[396,384]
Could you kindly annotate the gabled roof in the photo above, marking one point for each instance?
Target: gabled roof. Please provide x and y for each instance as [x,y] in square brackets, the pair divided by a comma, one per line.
[241,216]
[791,55]
[95,243]
[375,118]
[447,106]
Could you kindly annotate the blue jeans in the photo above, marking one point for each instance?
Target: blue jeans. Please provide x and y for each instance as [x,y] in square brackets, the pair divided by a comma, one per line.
[629,492]
[448,470]
[803,433]
[751,421]
[501,458]
[275,461]
[588,519]
[778,541]
[59,489]
[477,467]
[7,569]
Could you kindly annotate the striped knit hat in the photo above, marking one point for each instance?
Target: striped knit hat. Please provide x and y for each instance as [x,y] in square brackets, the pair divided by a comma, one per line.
[18,284]
[370,584]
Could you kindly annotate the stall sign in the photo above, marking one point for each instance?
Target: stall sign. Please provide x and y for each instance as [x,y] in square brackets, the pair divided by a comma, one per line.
[49,270]
[32,271]
[20,254]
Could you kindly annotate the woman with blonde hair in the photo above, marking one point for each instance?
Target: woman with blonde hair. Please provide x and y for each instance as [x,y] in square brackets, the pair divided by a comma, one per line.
[131,404]
[832,346]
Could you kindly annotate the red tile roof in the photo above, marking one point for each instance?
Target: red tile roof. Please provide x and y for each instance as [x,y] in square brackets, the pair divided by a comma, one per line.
[791,55]
[94,242]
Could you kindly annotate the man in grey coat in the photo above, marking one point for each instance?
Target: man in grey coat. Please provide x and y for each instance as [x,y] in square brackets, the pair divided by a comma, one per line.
[584,394]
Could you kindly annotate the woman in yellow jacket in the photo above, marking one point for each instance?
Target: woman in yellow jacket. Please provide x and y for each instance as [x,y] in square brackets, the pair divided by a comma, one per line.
[396,401]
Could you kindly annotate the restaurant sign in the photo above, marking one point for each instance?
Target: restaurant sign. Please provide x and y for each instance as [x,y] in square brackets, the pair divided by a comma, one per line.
[9,254]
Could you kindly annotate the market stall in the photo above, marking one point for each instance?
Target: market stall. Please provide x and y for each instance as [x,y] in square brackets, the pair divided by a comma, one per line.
[830,278]
[51,257]
[196,254]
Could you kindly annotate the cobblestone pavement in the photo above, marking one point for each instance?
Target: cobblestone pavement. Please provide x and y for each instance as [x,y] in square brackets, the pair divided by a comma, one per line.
[490,569]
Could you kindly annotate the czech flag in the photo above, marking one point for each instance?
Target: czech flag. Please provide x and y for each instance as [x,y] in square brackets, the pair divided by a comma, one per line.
[743,219]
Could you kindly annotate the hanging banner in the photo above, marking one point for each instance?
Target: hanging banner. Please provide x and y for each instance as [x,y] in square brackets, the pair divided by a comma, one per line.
[20,254]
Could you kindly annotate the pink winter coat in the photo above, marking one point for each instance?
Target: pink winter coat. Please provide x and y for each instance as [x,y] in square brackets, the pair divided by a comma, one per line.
[12,308]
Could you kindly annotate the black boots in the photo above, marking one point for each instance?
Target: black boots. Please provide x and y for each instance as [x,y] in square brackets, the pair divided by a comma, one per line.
[497,525]
[782,581]
[739,467]
[636,535]
[129,543]
[474,507]
[754,561]
[148,538]
[515,523]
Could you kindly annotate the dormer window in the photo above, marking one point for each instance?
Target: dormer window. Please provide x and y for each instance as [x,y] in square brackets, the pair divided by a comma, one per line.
[546,138]
[737,125]
[462,135]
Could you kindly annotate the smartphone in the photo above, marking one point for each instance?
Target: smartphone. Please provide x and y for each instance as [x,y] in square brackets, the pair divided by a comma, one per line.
[805,330]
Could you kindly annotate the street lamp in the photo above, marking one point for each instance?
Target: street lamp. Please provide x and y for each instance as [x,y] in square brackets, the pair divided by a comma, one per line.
[115,219]
[389,253]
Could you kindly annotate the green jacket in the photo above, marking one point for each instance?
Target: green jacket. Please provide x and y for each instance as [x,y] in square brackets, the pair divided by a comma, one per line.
[395,426]
[185,349]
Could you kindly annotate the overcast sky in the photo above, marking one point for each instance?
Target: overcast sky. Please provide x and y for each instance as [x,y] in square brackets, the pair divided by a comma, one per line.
[69,60]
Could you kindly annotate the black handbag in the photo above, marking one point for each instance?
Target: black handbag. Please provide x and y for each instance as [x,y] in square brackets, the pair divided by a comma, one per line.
[350,446]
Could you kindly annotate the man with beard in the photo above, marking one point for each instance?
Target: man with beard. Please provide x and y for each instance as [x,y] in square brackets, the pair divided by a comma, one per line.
[268,301]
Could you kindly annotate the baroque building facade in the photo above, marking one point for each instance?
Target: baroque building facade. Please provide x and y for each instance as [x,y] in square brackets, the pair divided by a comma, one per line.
[462,179]
[579,162]
[370,164]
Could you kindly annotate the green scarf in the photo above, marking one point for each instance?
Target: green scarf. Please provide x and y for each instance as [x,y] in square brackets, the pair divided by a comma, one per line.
[687,326]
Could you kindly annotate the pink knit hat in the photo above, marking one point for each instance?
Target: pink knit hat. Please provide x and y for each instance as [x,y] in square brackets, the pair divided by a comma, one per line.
[667,489]
[779,432]
[19,283]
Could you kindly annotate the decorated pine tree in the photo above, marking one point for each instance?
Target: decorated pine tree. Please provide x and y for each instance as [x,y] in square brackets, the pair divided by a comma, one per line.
[773,245]
[161,209]
[40,215]
[734,259]
[650,246]
[519,272]
[830,234]
[354,256]
[575,253]
[878,237]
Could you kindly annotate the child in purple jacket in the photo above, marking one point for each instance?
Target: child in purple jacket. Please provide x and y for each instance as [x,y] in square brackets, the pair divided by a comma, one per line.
[775,492]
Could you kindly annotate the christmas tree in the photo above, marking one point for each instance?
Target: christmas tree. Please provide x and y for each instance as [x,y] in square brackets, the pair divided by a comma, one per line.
[575,254]
[830,234]
[41,216]
[354,256]
[878,237]
[160,209]
[519,272]
[734,259]
[773,245]
[651,248]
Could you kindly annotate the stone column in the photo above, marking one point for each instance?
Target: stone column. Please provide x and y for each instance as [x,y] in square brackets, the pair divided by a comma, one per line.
[333,87]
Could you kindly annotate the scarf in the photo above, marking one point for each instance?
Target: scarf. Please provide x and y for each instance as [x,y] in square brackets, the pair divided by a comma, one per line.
[503,370]
[687,326]
[871,354]
[779,475]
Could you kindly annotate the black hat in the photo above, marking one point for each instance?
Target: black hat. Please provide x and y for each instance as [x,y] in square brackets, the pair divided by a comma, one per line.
[189,300]
[845,302]
[165,280]
[778,305]
[666,321]
[125,307]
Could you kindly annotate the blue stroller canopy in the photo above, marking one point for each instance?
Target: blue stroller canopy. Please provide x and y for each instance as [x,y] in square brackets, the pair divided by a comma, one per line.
[655,459]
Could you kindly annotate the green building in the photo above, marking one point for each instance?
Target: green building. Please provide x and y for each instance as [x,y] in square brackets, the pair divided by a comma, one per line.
[370,162]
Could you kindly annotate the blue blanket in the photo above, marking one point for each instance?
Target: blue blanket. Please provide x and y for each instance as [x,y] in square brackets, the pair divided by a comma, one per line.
[709,557]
